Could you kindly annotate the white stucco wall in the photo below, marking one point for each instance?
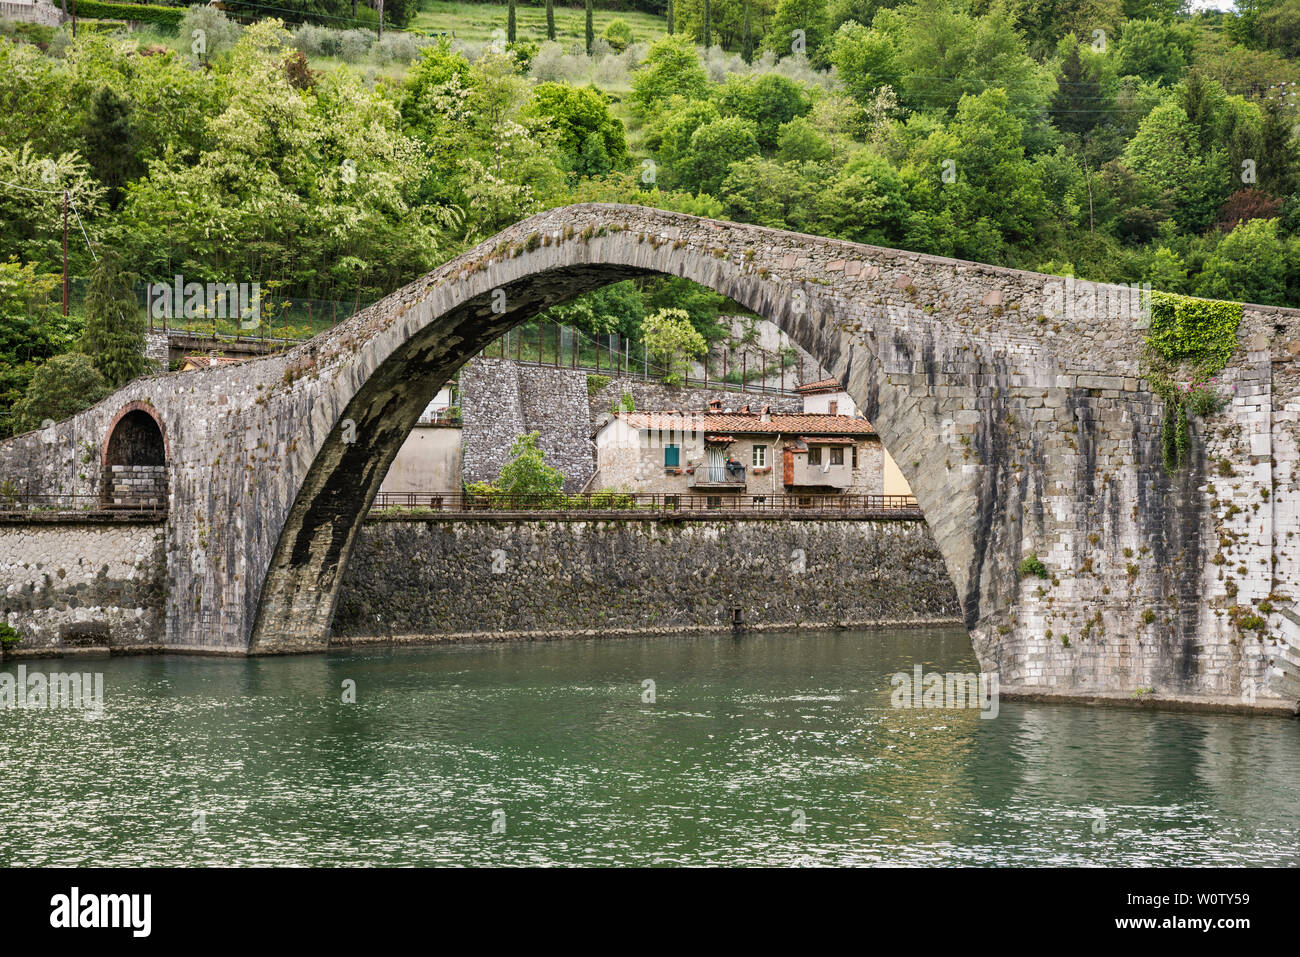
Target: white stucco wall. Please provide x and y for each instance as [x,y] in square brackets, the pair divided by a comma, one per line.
[429,461]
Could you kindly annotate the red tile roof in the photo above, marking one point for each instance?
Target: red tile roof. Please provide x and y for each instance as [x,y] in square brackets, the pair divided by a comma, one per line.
[752,423]
[822,385]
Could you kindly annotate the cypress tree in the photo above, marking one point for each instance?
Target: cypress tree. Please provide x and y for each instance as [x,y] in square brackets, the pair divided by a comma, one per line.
[110,143]
[708,24]
[747,42]
[591,29]
[550,19]
[114,333]
[670,17]
[510,22]
[1078,96]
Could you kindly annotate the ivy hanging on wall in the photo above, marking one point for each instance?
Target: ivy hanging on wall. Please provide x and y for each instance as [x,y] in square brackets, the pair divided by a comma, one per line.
[1190,341]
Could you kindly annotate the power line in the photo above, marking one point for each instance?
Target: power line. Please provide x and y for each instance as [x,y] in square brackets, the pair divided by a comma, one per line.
[71,202]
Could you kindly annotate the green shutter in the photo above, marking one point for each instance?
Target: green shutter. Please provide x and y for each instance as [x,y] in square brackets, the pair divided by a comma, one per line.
[672,456]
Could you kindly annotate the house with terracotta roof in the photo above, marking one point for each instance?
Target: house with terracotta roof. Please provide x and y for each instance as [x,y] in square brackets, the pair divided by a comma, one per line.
[749,451]
[828,397]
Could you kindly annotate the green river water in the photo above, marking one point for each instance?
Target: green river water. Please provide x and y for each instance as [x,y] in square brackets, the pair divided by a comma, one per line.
[771,749]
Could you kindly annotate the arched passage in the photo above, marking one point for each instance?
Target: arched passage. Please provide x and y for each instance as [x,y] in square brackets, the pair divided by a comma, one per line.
[134,460]
[438,323]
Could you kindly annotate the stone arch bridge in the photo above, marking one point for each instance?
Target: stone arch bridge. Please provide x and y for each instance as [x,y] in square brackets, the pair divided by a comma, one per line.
[1012,405]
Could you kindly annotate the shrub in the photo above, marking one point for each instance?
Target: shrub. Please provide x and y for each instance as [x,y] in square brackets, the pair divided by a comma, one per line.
[219,31]
[527,472]
[619,35]
[315,40]
[609,499]
[61,387]
[140,12]
[355,44]
[524,51]
[8,637]
[1203,399]
[1030,565]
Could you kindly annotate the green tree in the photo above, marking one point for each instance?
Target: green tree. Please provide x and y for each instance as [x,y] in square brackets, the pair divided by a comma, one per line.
[1165,271]
[706,36]
[110,143]
[1249,264]
[550,20]
[115,326]
[32,329]
[799,26]
[1080,102]
[591,29]
[747,38]
[973,191]
[767,100]
[62,387]
[590,138]
[700,303]
[1279,27]
[618,34]
[864,59]
[1043,22]
[616,308]
[510,21]
[1166,153]
[864,203]
[527,472]
[673,341]
[781,194]
[714,147]
[944,54]
[1149,49]
[671,66]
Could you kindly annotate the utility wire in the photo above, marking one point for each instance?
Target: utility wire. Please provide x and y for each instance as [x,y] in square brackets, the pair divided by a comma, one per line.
[71,202]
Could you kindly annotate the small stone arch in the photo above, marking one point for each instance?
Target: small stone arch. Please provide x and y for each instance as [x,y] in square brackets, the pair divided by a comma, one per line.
[134,460]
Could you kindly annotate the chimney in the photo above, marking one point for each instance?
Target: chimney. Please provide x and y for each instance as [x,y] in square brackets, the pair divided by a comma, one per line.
[715,405]
[744,409]
[767,413]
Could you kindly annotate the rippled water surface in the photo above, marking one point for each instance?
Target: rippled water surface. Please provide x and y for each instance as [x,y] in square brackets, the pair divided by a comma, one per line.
[745,740]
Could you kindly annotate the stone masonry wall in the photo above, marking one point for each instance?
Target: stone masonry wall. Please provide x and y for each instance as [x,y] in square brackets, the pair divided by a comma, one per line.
[444,577]
[44,12]
[69,581]
[136,486]
[501,399]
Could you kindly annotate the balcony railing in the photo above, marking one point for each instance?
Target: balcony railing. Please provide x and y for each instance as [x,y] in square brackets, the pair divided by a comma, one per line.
[667,503]
[718,475]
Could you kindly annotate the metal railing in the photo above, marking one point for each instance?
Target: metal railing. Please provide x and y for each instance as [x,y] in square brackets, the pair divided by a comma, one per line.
[568,347]
[66,502]
[649,502]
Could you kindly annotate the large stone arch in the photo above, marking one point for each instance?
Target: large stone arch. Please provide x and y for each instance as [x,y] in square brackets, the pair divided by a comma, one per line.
[1022,428]
[455,312]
